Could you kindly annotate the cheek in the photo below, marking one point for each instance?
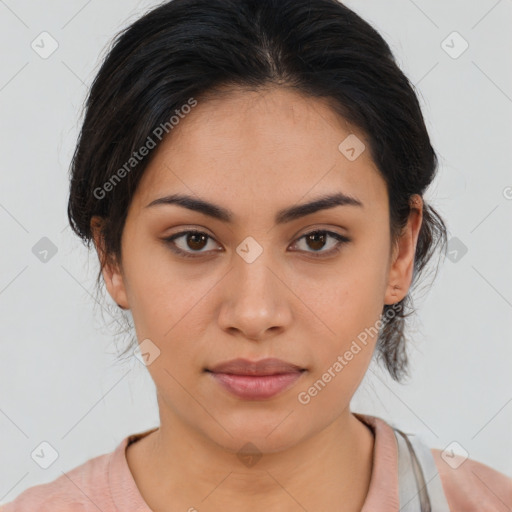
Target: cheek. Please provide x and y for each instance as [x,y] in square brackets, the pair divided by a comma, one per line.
[152,290]
[343,312]
[168,307]
[345,298]
[348,328]
[342,335]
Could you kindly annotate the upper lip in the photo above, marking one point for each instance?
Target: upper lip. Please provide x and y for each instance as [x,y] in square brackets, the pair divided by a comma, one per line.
[269,366]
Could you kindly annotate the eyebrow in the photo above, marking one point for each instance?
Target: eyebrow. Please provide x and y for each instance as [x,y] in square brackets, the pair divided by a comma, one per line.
[282,216]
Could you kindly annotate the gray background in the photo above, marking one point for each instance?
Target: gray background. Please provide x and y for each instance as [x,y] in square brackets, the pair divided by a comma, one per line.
[59,378]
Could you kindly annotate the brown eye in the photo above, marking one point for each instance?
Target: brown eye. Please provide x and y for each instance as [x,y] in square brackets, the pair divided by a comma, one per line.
[317,240]
[196,241]
[191,242]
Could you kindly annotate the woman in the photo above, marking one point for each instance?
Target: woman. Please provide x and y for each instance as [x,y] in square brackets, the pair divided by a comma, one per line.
[251,173]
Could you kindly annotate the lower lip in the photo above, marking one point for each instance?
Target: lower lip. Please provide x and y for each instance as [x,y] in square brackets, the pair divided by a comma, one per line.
[251,387]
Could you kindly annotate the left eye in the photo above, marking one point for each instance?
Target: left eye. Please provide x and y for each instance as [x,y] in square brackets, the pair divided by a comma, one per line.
[319,238]
[197,240]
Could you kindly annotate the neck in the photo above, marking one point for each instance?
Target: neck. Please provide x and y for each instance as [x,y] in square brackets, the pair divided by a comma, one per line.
[177,464]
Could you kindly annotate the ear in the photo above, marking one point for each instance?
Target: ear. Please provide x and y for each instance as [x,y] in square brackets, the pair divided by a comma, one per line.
[111,270]
[404,250]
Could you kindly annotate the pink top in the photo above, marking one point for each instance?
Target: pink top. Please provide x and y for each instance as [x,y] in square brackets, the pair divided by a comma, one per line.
[105,482]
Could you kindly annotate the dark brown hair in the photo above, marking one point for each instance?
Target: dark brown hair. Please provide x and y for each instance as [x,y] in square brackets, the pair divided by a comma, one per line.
[187,49]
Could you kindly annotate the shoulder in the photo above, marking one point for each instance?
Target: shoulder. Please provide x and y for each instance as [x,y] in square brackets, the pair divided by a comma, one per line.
[470,485]
[82,489]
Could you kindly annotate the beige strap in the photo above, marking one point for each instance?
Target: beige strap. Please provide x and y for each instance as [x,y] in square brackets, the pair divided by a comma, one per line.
[419,483]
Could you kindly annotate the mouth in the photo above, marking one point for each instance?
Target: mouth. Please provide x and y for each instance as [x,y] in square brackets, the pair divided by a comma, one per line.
[256,380]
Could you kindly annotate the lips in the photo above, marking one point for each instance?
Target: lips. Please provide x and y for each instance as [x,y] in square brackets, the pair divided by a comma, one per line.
[256,380]
[269,366]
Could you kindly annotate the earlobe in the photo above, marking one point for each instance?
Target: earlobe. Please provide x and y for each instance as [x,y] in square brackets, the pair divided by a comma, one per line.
[114,283]
[111,271]
[393,295]
[402,265]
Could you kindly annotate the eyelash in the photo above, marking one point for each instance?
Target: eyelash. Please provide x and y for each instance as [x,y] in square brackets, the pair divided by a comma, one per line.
[340,238]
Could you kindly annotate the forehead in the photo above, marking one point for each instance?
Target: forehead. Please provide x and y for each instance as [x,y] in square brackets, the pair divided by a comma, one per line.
[266,147]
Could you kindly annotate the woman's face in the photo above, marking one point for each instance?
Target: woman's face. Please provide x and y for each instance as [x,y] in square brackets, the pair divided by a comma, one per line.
[255,286]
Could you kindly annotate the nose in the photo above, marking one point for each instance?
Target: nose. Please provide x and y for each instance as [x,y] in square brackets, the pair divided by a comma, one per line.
[256,303]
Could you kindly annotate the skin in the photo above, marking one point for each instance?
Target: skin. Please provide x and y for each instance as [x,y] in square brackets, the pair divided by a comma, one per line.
[256,153]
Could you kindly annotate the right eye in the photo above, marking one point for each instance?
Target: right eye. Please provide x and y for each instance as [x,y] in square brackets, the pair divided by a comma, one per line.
[192,238]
